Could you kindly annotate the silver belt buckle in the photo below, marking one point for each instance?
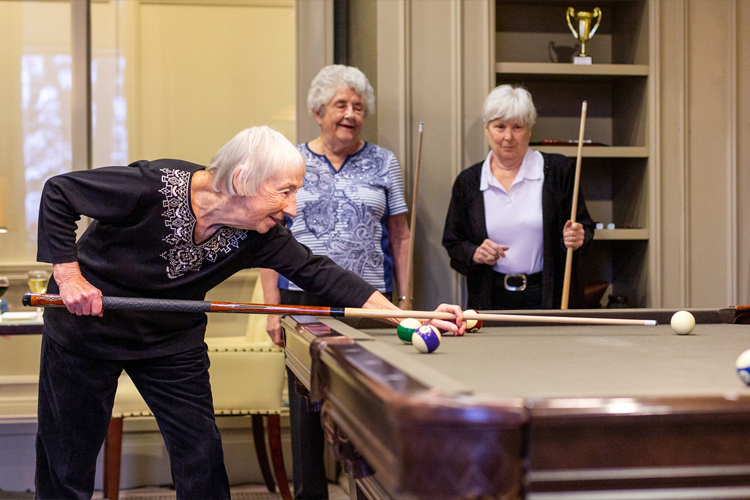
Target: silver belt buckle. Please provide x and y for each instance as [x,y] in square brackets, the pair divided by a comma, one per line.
[515,288]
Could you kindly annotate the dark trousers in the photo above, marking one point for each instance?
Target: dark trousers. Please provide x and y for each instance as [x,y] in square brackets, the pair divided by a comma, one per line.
[308,447]
[76,395]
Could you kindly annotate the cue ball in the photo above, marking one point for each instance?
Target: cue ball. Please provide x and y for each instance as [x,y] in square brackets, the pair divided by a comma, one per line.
[473,325]
[406,328]
[426,339]
[682,322]
[743,366]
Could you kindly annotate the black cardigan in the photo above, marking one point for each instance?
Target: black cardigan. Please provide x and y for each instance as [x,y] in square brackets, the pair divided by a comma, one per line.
[465,230]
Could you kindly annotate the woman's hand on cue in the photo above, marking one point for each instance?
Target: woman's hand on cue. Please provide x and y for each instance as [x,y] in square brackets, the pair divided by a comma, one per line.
[573,235]
[457,326]
[78,295]
[273,329]
[489,252]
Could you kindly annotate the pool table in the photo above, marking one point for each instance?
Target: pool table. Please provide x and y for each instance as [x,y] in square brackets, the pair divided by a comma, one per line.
[536,412]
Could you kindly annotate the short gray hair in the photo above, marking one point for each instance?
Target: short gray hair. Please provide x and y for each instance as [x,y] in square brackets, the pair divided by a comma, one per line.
[330,79]
[260,154]
[508,103]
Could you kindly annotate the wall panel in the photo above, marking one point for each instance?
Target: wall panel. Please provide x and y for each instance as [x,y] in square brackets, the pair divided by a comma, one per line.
[708,162]
[701,230]
[742,24]
[434,66]
[209,71]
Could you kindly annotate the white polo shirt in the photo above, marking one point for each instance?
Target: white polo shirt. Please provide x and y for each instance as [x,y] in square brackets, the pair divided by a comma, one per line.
[514,217]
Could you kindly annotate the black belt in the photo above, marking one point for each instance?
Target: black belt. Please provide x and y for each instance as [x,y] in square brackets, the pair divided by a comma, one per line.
[517,282]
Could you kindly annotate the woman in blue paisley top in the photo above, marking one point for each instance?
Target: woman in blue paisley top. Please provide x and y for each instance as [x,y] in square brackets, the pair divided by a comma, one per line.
[162,229]
[350,208]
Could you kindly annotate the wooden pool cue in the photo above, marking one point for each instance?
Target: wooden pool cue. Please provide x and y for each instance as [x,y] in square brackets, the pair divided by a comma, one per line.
[205,306]
[573,211]
[413,226]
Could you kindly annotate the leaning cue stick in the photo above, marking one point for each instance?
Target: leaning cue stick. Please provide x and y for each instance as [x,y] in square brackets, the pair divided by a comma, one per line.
[413,226]
[195,306]
[573,211]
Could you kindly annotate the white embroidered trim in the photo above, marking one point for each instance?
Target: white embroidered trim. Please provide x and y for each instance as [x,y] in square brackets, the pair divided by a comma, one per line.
[185,255]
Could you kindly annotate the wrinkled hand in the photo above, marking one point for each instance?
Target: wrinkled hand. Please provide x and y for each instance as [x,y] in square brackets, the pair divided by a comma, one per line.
[573,235]
[78,295]
[273,329]
[457,327]
[489,252]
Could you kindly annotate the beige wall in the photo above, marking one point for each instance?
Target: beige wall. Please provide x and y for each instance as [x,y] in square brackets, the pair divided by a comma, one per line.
[37,29]
[432,63]
[433,66]
[314,51]
[429,61]
[743,152]
[703,154]
[195,73]
[202,72]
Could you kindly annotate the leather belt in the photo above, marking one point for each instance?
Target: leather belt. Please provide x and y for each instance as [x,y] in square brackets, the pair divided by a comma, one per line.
[517,282]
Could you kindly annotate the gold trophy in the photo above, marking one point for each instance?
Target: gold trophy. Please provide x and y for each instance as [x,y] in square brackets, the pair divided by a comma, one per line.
[584,32]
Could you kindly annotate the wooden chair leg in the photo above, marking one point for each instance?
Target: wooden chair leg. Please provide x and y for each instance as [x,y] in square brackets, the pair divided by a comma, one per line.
[259,438]
[112,458]
[274,437]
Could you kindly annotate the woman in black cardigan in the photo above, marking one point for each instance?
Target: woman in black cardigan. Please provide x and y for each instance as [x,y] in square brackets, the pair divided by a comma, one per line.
[508,224]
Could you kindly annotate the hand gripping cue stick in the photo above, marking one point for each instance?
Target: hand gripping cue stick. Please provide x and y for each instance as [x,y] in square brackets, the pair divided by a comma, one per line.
[205,306]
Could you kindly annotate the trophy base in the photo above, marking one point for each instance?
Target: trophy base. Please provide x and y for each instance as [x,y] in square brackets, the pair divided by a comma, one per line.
[582,60]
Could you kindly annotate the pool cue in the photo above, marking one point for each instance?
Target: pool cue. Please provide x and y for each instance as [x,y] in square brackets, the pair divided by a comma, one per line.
[573,211]
[413,225]
[205,306]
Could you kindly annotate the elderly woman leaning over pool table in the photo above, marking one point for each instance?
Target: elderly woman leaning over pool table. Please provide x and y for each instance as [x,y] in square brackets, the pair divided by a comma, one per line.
[161,229]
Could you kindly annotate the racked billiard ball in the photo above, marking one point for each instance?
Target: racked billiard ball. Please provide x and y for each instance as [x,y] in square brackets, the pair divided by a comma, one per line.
[473,325]
[426,339]
[406,328]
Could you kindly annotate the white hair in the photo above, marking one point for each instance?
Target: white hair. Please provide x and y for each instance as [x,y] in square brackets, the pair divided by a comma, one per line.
[511,104]
[331,79]
[259,154]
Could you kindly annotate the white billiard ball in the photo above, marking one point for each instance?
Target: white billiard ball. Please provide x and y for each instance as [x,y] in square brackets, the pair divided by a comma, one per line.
[682,322]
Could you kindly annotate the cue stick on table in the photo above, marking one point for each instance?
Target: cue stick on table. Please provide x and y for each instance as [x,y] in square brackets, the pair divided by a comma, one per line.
[573,211]
[194,306]
[412,226]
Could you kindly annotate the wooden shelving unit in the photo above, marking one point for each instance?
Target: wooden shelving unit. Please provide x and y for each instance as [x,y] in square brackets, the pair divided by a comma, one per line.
[603,70]
[532,40]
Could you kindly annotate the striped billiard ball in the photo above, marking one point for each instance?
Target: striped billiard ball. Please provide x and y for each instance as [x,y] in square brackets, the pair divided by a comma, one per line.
[743,366]
[426,339]
[473,325]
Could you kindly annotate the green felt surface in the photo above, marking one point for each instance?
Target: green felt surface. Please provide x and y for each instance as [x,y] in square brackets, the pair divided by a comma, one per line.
[588,361]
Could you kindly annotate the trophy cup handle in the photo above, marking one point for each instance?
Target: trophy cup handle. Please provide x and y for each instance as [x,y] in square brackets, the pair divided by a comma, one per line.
[598,15]
[570,12]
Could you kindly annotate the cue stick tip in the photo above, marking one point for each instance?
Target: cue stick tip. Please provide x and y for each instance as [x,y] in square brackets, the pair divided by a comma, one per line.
[650,322]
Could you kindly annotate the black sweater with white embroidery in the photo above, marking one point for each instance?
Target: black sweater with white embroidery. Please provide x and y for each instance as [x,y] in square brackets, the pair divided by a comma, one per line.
[141,244]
